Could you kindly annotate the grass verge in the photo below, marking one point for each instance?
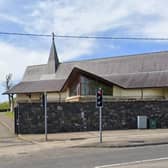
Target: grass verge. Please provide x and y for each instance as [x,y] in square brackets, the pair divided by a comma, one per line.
[9,114]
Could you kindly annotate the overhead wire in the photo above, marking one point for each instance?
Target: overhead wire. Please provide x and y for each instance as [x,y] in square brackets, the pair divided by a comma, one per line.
[88,37]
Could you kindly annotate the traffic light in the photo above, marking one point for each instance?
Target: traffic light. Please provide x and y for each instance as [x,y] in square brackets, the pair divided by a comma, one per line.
[99,98]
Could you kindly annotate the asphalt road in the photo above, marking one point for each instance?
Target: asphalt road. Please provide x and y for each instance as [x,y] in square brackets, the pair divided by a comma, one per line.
[82,157]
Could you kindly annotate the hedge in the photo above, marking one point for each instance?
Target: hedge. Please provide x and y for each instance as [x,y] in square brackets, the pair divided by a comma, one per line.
[4,107]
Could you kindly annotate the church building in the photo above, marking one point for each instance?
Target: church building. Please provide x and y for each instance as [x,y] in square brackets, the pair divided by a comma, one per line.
[132,85]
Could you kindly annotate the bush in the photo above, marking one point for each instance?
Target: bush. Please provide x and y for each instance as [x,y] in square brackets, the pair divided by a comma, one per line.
[4,106]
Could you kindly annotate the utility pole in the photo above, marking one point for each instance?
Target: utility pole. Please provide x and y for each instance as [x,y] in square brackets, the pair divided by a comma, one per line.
[45,113]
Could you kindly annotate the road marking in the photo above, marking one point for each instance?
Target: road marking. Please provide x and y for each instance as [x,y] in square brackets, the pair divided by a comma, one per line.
[131,163]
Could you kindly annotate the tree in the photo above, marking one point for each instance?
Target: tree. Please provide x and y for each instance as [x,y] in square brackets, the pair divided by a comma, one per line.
[8,85]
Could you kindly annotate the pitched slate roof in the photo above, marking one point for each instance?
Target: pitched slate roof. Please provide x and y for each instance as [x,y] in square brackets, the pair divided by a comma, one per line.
[37,86]
[153,79]
[149,62]
[53,85]
[133,71]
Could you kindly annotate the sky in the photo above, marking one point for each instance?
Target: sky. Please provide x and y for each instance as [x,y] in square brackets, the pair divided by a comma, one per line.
[140,18]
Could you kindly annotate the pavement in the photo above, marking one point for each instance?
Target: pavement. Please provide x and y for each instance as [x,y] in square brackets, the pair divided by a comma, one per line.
[7,136]
[119,138]
[7,122]
[113,139]
[126,138]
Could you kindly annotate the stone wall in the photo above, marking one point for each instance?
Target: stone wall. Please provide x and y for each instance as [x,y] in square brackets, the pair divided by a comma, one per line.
[69,117]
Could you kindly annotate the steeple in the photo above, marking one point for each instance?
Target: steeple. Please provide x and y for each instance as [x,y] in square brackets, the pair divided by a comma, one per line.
[53,60]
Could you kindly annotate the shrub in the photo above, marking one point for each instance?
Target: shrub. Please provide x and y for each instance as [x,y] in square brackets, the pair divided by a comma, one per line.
[4,106]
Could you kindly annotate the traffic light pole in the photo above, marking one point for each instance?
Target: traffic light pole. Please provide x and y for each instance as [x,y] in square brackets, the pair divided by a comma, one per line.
[99,104]
[100,124]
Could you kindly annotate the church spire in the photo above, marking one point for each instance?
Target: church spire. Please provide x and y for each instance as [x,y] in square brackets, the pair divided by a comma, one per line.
[53,60]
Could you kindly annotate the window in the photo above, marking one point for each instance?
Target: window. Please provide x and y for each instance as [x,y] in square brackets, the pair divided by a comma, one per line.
[73,90]
[75,87]
[87,86]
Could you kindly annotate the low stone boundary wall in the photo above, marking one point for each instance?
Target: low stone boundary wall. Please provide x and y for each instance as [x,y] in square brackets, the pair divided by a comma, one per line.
[70,117]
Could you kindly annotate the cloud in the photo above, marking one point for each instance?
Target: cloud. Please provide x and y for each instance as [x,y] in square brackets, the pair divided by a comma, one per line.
[90,17]
[70,49]
[78,17]
[14,60]
[10,18]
